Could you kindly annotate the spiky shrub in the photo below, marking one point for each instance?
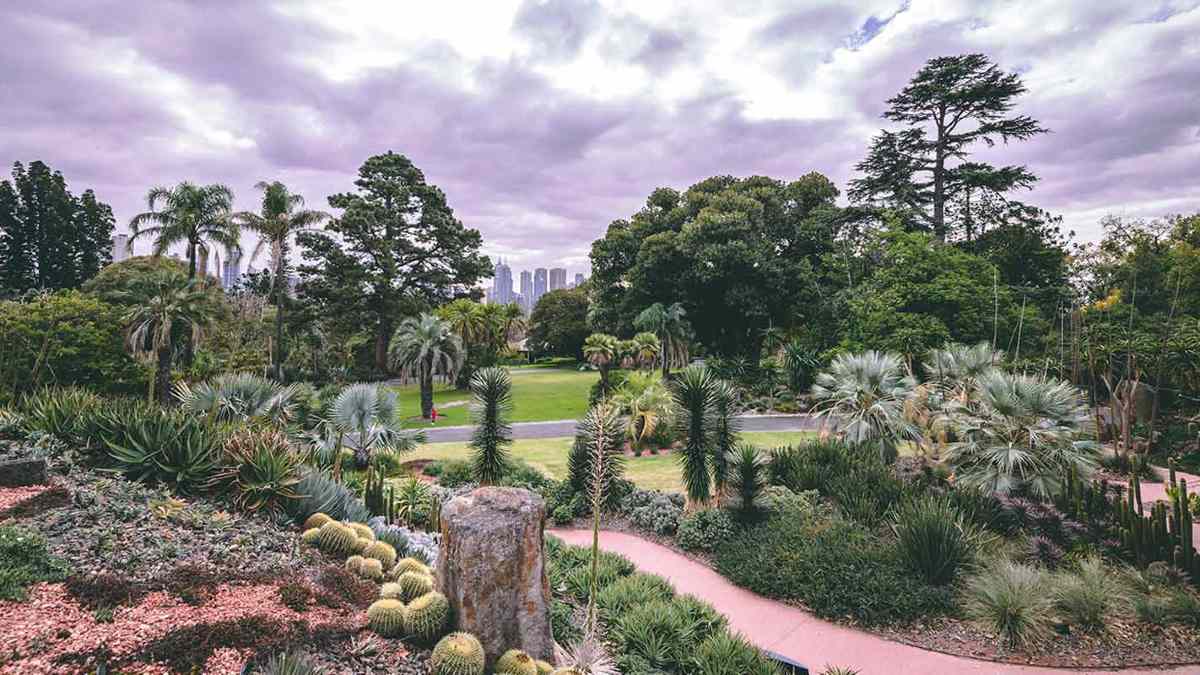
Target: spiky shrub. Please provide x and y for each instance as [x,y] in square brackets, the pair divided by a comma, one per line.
[261,469]
[543,667]
[371,568]
[413,585]
[1085,598]
[163,445]
[427,616]
[725,433]
[515,662]
[600,431]
[458,654]
[658,632]
[335,538]
[383,552]
[1010,600]
[387,617]
[238,397]
[408,565]
[705,618]
[934,537]
[492,389]
[58,412]
[362,531]
[865,394]
[292,663]
[318,493]
[725,653]
[694,392]
[316,520]
[354,564]
[627,592]
[747,482]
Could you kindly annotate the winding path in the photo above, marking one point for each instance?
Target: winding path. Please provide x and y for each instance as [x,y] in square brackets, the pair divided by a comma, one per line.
[564,428]
[793,633]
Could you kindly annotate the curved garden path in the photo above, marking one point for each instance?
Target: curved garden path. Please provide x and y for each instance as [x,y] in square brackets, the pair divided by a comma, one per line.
[792,632]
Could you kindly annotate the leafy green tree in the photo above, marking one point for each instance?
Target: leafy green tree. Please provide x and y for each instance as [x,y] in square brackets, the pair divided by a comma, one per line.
[558,324]
[493,433]
[963,100]
[396,249]
[748,481]
[165,301]
[695,393]
[49,239]
[281,218]
[424,347]
[602,351]
[113,283]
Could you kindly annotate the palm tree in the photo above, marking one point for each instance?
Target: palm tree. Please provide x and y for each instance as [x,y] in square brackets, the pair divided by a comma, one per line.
[695,392]
[282,217]
[368,413]
[648,347]
[646,402]
[627,351]
[865,393]
[726,426]
[1021,430]
[493,401]
[238,397]
[601,350]
[515,322]
[957,367]
[423,347]
[165,301]
[671,326]
[465,317]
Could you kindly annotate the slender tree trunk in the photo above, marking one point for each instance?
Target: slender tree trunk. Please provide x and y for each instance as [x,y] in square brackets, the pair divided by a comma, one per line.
[666,355]
[427,392]
[189,349]
[277,366]
[162,376]
[383,338]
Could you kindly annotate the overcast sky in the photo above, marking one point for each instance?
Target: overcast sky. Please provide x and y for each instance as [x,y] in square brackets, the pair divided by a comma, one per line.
[544,121]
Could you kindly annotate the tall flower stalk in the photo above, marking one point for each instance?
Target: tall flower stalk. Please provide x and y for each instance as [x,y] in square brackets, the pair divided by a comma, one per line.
[603,434]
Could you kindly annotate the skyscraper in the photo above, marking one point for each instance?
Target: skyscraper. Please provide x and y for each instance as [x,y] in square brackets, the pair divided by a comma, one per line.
[120,249]
[231,269]
[502,284]
[558,278]
[539,285]
[526,291]
[578,279]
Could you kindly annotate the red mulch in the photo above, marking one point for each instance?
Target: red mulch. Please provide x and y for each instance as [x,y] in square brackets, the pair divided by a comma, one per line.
[13,496]
[52,633]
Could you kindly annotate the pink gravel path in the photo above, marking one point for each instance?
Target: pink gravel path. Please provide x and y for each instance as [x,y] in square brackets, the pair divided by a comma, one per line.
[792,632]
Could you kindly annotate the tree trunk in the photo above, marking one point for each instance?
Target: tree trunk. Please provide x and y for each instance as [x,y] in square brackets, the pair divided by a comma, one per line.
[383,338]
[162,376]
[189,352]
[604,381]
[427,392]
[666,356]
[939,196]
[277,366]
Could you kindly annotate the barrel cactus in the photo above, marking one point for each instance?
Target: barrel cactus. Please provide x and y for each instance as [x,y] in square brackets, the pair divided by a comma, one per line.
[413,585]
[335,538]
[360,545]
[408,565]
[567,671]
[387,617]
[362,531]
[543,667]
[370,568]
[383,552]
[354,564]
[427,616]
[310,536]
[316,520]
[458,654]
[516,662]
[391,591]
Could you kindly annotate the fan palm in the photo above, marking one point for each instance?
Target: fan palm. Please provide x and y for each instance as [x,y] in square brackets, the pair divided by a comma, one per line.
[238,397]
[671,326]
[282,216]
[865,395]
[648,347]
[466,318]
[695,393]
[162,302]
[646,402]
[1022,431]
[366,414]
[627,351]
[493,433]
[957,367]
[725,426]
[601,350]
[425,346]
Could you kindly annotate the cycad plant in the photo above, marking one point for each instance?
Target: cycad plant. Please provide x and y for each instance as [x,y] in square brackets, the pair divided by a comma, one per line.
[601,432]
[695,393]
[425,347]
[726,428]
[748,481]
[602,350]
[1022,430]
[865,394]
[238,397]
[493,433]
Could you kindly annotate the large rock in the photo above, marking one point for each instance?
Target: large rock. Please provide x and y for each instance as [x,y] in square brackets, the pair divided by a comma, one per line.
[492,569]
[22,472]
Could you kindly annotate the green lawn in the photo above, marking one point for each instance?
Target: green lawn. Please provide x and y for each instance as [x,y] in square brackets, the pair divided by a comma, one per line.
[658,472]
[539,393]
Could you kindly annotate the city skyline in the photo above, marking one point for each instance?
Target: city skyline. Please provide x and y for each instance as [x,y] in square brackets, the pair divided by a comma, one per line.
[534,284]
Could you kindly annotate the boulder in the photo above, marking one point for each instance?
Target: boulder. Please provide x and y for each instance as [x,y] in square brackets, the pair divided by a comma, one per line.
[22,472]
[492,568]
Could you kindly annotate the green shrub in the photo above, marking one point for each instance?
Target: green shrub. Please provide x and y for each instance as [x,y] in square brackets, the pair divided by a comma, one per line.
[24,560]
[934,538]
[61,412]
[1184,608]
[454,473]
[706,619]
[659,632]
[1085,597]
[863,486]
[704,530]
[724,653]
[625,593]
[261,470]
[653,511]
[1011,600]
[157,445]
[837,567]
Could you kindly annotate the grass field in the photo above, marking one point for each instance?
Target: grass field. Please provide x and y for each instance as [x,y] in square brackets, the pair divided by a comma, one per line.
[657,472]
[539,393]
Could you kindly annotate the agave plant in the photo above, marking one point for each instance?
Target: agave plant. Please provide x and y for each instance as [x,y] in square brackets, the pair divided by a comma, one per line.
[493,433]
[865,395]
[365,417]
[1022,431]
[239,397]
[261,470]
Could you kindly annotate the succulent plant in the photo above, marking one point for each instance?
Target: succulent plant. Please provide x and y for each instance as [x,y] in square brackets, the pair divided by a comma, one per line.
[543,667]
[316,520]
[516,662]
[335,538]
[458,654]
[362,531]
[391,591]
[310,536]
[360,545]
[427,616]
[370,568]
[354,564]
[383,552]
[567,671]
[413,585]
[387,617]
[408,565]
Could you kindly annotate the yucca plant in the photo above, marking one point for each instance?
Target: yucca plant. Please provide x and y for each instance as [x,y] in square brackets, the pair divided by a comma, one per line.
[864,394]
[695,392]
[726,428]
[492,389]
[238,397]
[935,538]
[748,481]
[1012,601]
[261,470]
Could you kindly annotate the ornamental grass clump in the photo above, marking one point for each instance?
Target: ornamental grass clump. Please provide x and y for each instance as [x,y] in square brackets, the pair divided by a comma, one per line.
[1012,601]
[1085,597]
[458,654]
[934,538]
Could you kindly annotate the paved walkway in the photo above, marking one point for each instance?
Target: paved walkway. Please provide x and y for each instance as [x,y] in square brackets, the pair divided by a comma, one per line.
[792,632]
[565,428]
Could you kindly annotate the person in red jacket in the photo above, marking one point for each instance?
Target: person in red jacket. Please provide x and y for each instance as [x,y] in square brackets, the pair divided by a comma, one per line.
[433,415]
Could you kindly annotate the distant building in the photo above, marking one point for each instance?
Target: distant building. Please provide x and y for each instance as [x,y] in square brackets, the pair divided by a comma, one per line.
[539,285]
[578,279]
[526,291]
[558,278]
[120,249]
[231,270]
[502,284]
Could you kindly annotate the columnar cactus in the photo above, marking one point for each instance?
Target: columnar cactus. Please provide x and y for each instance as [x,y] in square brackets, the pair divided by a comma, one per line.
[516,662]
[370,568]
[413,585]
[387,617]
[408,565]
[310,536]
[391,591]
[316,520]
[362,531]
[335,538]
[458,654]
[383,552]
[427,616]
